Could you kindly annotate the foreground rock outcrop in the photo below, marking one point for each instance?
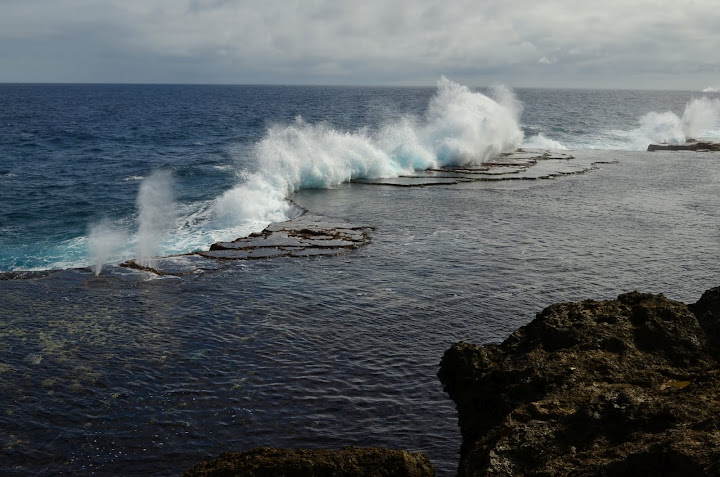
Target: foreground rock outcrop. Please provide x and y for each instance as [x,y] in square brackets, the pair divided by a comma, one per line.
[623,387]
[347,462]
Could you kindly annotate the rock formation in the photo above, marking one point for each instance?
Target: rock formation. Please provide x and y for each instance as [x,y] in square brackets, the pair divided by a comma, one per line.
[521,164]
[689,145]
[623,387]
[307,235]
[347,462]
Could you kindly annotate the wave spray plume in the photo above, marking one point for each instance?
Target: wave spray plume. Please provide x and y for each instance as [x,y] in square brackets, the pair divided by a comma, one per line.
[700,118]
[104,241]
[461,127]
[156,216]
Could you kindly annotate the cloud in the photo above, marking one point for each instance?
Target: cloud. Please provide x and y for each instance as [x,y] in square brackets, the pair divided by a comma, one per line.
[374,41]
[547,61]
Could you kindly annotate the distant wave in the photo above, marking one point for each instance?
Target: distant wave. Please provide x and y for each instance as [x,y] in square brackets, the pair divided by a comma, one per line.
[541,142]
[701,119]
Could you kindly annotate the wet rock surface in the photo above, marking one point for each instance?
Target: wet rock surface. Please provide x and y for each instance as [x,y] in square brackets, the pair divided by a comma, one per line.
[690,145]
[307,235]
[522,164]
[347,462]
[623,387]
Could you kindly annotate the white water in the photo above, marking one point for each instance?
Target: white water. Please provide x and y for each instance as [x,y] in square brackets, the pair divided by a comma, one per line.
[104,243]
[156,215]
[700,120]
[460,127]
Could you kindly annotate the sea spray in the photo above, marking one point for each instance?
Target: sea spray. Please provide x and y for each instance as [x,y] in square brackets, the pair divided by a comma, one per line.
[465,127]
[541,142]
[104,241]
[460,127]
[156,214]
[700,118]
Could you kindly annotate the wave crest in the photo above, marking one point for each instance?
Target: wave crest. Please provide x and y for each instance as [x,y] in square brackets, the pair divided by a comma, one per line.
[460,127]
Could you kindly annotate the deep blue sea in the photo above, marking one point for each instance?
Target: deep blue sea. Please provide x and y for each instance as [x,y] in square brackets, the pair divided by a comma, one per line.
[111,371]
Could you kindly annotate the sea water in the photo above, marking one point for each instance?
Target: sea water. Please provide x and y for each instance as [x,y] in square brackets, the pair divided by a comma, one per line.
[112,371]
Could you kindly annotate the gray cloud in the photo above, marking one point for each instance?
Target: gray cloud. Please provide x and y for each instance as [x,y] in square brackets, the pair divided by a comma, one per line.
[614,43]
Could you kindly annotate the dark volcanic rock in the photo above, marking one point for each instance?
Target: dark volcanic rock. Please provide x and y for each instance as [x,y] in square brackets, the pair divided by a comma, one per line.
[347,462]
[623,387]
[307,235]
[690,145]
[521,164]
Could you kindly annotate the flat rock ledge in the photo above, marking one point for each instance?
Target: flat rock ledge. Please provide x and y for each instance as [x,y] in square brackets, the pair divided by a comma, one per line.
[346,462]
[521,164]
[690,145]
[611,388]
[308,235]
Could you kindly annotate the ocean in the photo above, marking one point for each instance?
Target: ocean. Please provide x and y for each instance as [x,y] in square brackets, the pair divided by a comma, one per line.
[108,370]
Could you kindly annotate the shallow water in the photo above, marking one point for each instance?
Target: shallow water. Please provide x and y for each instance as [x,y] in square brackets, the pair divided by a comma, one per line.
[127,373]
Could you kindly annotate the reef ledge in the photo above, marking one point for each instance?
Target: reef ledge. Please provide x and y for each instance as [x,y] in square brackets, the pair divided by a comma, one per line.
[307,235]
[621,387]
[689,145]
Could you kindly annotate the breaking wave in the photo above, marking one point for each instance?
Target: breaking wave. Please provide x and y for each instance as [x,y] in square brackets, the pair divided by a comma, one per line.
[701,119]
[460,127]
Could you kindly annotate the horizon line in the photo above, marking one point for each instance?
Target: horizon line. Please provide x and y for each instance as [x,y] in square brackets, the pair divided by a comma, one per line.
[329,85]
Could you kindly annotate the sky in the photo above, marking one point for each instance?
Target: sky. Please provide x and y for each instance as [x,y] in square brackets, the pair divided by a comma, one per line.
[522,43]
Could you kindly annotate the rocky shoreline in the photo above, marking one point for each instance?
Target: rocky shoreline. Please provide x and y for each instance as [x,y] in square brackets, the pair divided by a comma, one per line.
[613,388]
[622,387]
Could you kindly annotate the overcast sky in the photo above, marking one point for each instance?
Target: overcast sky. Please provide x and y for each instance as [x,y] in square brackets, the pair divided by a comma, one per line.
[560,43]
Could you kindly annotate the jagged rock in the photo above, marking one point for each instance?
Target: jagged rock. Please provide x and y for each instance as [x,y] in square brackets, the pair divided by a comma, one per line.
[690,145]
[623,387]
[346,462]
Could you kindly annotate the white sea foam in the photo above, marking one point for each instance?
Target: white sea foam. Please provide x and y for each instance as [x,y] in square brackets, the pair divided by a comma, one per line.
[542,142]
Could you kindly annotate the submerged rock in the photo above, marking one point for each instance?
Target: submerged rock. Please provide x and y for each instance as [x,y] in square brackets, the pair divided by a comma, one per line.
[347,462]
[623,387]
[690,145]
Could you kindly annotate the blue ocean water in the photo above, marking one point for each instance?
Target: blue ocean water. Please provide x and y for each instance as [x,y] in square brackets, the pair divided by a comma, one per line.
[74,156]
[128,373]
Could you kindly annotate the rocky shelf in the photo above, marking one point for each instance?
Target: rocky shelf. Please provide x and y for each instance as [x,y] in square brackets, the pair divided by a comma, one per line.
[614,388]
[690,145]
[308,235]
[522,164]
